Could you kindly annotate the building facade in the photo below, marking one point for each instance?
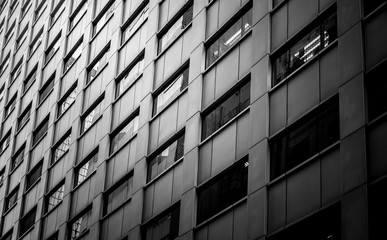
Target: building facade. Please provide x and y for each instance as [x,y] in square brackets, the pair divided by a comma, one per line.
[193,119]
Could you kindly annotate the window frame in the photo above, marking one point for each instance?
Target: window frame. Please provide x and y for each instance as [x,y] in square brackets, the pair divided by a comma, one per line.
[39,127]
[101,15]
[83,213]
[8,207]
[22,36]
[51,47]
[38,11]
[26,111]
[4,63]
[35,42]
[167,212]
[50,193]
[30,212]
[75,11]
[29,185]
[45,86]
[93,106]
[5,139]
[73,50]
[63,99]
[30,79]
[58,143]
[16,156]
[10,31]
[54,11]
[79,166]
[103,53]
[16,71]
[136,15]
[114,133]
[10,106]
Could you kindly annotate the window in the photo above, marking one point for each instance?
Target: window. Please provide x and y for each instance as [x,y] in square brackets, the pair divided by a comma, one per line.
[25,7]
[130,74]
[36,42]
[2,175]
[226,110]
[2,92]
[124,133]
[62,147]
[2,23]
[80,225]
[27,222]
[219,46]
[55,10]
[118,194]
[16,70]
[324,225]
[55,197]
[224,190]
[103,17]
[10,106]
[3,3]
[34,175]
[40,9]
[377,198]
[27,83]
[73,55]
[370,6]
[305,138]
[5,141]
[376,87]
[8,235]
[92,115]
[172,30]
[164,227]
[17,158]
[78,13]
[54,236]
[305,49]
[169,92]
[9,33]
[5,63]
[22,36]
[166,157]
[45,90]
[98,64]
[40,131]
[53,47]
[24,117]
[67,100]
[86,168]
[13,6]
[135,21]
[11,199]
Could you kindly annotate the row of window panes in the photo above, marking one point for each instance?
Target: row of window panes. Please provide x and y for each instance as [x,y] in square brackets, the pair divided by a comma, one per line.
[62,148]
[305,49]
[131,75]
[305,138]
[170,92]
[226,110]
[229,38]
[166,158]
[174,31]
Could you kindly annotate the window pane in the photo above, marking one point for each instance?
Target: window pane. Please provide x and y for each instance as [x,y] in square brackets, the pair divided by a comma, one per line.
[135,24]
[67,103]
[80,225]
[62,148]
[101,22]
[55,198]
[98,65]
[46,90]
[92,117]
[376,91]
[33,176]
[130,76]
[17,159]
[27,221]
[86,170]
[124,134]
[41,131]
[69,61]
[24,118]
[223,192]
[119,195]
[166,227]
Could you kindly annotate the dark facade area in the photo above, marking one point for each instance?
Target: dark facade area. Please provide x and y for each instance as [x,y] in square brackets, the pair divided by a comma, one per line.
[193,119]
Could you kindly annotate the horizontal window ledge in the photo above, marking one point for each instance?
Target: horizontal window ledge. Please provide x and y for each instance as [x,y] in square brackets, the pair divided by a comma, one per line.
[376,121]
[27,232]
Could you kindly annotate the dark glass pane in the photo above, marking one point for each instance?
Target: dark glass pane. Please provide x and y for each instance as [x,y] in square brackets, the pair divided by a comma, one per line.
[119,195]
[33,176]
[376,91]
[124,134]
[27,222]
[17,159]
[370,5]
[377,210]
[62,148]
[41,131]
[46,90]
[166,227]
[223,192]
[329,125]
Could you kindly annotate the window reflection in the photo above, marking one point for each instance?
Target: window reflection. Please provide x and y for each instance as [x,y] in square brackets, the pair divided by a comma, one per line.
[67,102]
[130,76]
[124,134]
[62,148]
[55,198]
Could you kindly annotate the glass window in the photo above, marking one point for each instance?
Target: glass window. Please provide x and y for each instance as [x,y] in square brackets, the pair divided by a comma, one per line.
[376,86]
[165,226]
[36,42]
[67,101]
[25,7]
[222,191]
[133,71]
[40,9]
[10,106]
[119,194]
[121,136]
[103,17]
[2,92]
[16,71]
[8,235]
[73,55]
[324,225]
[5,141]
[305,49]
[99,63]
[2,23]
[92,116]
[10,32]
[170,92]
[3,3]
[28,221]
[226,110]
[61,148]
[11,199]
[80,225]
[175,29]
[55,197]
[17,158]
[78,13]
[166,158]
[2,175]
[34,175]
[46,89]
[134,24]
[377,199]
[40,131]
[370,6]
[305,138]
[86,169]
[24,117]
[228,38]
[5,63]
[55,12]
[30,79]
[54,46]
[22,36]
[13,6]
